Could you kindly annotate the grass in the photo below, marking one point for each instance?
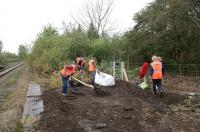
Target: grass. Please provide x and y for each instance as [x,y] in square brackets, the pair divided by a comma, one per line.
[6,86]
[14,95]
[19,127]
[11,81]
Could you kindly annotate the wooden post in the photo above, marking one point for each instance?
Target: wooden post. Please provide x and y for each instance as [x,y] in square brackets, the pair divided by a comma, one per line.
[128,63]
[125,75]
[114,66]
[196,75]
[196,69]
[180,71]
[121,71]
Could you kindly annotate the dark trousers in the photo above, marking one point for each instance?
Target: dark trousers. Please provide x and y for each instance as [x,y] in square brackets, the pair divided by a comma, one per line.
[83,67]
[157,83]
[93,73]
[64,84]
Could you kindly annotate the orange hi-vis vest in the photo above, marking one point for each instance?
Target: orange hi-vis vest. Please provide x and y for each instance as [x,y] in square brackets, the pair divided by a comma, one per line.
[92,66]
[69,71]
[157,70]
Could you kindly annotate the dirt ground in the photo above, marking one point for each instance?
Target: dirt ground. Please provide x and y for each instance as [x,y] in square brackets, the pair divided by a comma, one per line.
[123,108]
[177,83]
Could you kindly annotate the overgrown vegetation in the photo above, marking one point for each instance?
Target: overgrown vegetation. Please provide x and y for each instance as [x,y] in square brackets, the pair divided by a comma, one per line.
[168,28]
[6,57]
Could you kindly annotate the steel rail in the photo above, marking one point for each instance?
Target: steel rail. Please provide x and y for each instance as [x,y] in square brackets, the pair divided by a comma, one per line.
[4,72]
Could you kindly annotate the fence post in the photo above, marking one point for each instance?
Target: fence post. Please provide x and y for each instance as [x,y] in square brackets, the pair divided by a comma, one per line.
[128,63]
[114,65]
[196,75]
[121,71]
[196,69]
[180,70]
[125,75]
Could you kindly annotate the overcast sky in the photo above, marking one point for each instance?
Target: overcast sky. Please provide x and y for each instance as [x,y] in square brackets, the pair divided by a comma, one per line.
[22,20]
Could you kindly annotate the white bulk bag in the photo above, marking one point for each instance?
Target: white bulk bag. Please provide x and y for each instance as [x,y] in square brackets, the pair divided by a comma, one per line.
[104,79]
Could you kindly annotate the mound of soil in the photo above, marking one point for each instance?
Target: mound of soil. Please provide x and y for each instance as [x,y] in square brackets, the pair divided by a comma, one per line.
[123,107]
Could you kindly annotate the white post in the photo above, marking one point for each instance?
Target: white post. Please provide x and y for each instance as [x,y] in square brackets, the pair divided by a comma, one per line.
[121,71]
[114,65]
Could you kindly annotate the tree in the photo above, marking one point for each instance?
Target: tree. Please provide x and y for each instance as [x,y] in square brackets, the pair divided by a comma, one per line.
[170,28]
[96,13]
[6,57]
[22,52]
[92,32]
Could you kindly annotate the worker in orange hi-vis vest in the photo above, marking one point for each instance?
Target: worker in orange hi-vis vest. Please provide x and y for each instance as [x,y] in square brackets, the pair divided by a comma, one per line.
[80,61]
[156,71]
[92,69]
[66,74]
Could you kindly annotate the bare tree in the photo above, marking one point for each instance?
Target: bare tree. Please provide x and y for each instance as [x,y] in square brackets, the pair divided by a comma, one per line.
[98,13]
[1,46]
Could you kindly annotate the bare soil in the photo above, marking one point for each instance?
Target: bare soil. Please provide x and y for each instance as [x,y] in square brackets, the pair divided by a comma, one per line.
[177,83]
[122,108]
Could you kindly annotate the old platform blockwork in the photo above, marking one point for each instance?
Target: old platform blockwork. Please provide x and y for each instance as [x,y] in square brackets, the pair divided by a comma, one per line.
[33,107]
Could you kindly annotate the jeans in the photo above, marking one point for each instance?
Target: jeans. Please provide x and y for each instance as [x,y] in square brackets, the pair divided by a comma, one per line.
[157,83]
[93,73]
[64,84]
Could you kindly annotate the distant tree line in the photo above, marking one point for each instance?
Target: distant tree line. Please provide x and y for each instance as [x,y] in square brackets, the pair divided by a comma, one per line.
[6,57]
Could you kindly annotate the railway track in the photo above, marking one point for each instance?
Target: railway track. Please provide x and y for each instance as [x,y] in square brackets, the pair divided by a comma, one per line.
[5,71]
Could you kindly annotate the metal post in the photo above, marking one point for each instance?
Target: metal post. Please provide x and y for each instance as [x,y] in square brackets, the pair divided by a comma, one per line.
[196,75]
[114,67]
[180,71]
[121,71]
